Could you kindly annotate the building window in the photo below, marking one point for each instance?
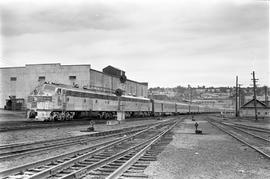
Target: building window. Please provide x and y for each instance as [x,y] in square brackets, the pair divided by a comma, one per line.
[67,99]
[41,78]
[259,113]
[72,77]
[265,113]
[13,78]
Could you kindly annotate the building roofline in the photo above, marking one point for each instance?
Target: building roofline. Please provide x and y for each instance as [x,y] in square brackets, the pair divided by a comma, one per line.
[10,67]
[32,64]
[45,64]
[97,70]
[264,105]
[78,65]
[142,83]
[113,67]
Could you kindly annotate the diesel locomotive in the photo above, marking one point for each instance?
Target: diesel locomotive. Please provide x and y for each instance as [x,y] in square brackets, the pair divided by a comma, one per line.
[49,102]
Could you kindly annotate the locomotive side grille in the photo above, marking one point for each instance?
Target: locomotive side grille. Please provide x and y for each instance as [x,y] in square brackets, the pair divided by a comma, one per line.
[39,98]
[33,104]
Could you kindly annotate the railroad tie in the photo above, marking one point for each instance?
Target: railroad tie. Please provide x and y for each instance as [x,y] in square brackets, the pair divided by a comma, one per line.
[115,164]
[135,175]
[132,170]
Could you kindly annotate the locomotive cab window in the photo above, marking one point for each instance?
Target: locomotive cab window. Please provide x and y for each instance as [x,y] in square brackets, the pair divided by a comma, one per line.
[72,77]
[41,78]
[13,78]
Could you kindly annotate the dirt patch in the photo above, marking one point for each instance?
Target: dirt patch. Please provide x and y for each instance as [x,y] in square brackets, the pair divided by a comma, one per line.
[214,155]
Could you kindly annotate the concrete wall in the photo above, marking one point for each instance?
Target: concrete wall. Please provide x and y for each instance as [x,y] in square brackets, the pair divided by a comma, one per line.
[261,112]
[28,78]
[100,80]
[12,88]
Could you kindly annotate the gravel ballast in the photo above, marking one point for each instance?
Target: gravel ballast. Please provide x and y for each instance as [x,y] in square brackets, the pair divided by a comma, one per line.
[33,135]
[40,134]
[211,155]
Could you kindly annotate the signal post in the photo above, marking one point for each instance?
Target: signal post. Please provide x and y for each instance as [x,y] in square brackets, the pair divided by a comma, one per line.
[119,93]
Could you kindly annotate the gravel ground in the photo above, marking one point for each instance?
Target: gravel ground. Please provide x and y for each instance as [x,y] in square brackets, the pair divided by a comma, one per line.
[60,132]
[53,133]
[264,123]
[211,155]
[12,115]
[46,154]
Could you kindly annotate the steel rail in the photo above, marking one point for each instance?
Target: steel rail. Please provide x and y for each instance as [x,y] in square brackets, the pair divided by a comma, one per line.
[20,144]
[52,159]
[82,172]
[259,129]
[241,140]
[254,135]
[255,128]
[51,171]
[68,155]
[46,148]
[121,170]
[62,143]
[36,124]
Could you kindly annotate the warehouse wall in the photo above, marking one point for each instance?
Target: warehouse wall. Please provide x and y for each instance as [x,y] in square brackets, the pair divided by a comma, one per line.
[100,80]
[30,76]
[12,88]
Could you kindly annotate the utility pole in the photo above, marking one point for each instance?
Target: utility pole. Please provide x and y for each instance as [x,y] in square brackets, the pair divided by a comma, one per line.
[190,98]
[266,95]
[254,96]
[239,94]
[236,101]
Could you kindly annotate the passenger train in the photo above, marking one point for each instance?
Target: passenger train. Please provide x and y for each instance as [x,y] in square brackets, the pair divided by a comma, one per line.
[49,102]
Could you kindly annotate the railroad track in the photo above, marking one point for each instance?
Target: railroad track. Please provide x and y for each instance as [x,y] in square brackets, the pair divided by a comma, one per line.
[254,141]
[99,160]
[250,127]
[10,151]
[254,128]
[26,125]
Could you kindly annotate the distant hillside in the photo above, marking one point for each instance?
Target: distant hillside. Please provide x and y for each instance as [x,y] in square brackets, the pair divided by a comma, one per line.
[181,93]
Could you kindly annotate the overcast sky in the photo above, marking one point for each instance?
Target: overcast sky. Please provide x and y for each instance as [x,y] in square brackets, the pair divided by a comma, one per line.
[164,42]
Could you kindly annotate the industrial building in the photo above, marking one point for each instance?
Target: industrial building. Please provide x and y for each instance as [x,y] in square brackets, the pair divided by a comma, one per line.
[248,109]
[18,82]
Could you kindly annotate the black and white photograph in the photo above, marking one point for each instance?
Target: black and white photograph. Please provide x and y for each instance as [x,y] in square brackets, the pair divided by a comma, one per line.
[134,89]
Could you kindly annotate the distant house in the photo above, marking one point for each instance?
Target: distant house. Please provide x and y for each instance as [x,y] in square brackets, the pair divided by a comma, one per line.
[247,110]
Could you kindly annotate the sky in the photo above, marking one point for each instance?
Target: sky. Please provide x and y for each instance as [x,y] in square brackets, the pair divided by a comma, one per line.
[163,42]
